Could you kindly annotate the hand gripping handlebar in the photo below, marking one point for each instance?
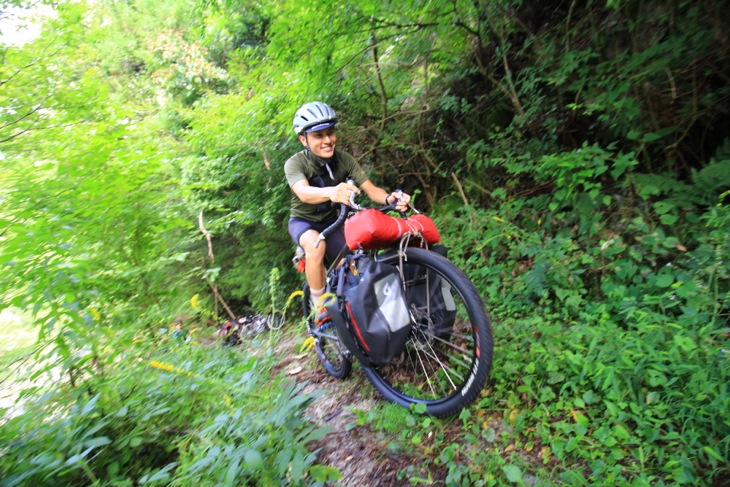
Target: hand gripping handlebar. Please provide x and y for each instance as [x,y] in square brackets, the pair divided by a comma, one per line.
[341,218]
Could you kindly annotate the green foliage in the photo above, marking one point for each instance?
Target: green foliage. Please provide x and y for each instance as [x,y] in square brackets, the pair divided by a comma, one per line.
[573,155]
[622,359]
[176,414]
[608,394]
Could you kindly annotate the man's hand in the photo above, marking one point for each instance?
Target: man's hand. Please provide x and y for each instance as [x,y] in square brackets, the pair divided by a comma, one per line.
[341,193]
[403,200]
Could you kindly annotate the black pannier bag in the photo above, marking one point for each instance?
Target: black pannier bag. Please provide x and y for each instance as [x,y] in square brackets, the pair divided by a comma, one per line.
[377,310]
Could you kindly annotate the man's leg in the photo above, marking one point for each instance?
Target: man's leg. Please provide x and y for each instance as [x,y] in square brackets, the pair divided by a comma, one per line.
[314,269]
[305,234]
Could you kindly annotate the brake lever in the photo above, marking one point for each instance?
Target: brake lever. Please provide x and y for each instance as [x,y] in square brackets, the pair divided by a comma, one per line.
[353,205]
[401,199]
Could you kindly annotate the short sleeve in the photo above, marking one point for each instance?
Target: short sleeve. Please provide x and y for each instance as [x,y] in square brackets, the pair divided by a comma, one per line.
[294,170]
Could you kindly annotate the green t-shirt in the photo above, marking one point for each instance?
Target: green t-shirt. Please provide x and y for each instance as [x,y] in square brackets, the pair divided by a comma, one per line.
[304,165]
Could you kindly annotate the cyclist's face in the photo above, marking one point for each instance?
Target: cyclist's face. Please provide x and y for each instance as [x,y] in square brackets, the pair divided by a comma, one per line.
[321,142]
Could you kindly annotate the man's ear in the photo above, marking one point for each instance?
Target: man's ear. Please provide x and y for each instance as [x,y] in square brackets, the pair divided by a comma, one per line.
[303,140]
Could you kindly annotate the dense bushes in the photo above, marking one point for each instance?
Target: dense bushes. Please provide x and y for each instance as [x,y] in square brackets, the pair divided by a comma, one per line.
[168,412]
[612,323]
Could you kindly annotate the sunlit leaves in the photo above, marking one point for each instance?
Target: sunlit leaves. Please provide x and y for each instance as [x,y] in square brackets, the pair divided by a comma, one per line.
[85,197]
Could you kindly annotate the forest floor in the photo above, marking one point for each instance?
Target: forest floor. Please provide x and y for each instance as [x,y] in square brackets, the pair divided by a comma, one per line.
[356,444]
[365,454]
[365,457]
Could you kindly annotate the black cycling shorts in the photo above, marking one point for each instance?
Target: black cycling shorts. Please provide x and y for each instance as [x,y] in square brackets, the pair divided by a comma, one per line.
[335,242]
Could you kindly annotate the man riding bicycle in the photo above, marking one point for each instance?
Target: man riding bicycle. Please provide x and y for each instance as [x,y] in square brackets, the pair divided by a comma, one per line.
[318,178]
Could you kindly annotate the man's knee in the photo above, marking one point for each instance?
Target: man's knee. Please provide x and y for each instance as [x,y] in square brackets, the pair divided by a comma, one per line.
[316,254]
[308,242]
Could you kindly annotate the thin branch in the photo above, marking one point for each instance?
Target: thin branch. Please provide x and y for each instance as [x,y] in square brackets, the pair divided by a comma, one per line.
[380,23]
[18,120]
[567,26]
[220,299]
[213,287]
[509,90]
[362,51]
[405,114]
[460,188]
[18,134]
[379,74]
[480,188]
[31,129]
[33,62]
[31,112]
[512,93]
[470,30]
[207,235]
[473,222]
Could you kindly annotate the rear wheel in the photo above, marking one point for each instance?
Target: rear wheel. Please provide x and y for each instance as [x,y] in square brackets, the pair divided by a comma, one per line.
[448,357]
[332,353]
[276,320]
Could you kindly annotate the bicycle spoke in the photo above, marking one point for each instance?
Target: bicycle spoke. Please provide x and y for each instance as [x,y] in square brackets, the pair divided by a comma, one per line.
[423,367]
[438,364]
[450,344]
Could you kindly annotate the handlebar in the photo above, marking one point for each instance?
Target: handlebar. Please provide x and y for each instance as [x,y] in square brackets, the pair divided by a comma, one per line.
[345,209]
[400,199]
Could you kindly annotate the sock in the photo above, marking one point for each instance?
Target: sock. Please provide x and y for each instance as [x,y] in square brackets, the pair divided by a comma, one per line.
[314,296]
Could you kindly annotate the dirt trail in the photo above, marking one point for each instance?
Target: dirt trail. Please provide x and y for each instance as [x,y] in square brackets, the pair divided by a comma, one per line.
[361,455]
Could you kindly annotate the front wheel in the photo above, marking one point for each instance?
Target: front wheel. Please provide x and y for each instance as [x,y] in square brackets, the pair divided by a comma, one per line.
[448,357]
[332,353]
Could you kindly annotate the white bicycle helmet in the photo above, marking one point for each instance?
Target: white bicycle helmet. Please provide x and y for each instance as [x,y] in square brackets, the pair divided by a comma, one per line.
[314,116]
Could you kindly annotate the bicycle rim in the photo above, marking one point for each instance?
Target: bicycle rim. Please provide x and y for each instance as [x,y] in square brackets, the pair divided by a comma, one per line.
[448,357]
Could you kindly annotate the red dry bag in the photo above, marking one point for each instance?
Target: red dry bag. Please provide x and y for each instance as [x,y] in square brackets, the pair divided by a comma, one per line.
[373,229]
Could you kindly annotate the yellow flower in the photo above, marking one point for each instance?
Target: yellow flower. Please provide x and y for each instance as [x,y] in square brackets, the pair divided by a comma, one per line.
[308,344]
[95,314]
[194,302]
[161,365]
